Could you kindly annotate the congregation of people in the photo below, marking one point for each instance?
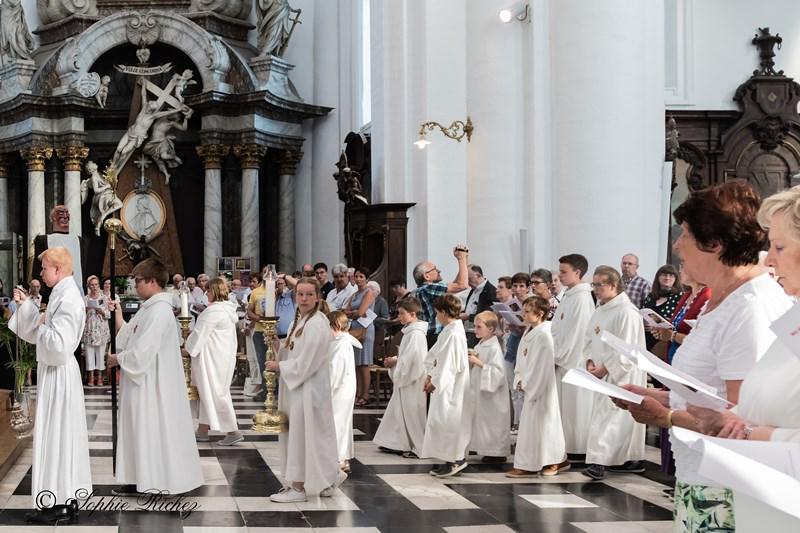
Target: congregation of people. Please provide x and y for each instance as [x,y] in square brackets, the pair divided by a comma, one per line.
[476,367]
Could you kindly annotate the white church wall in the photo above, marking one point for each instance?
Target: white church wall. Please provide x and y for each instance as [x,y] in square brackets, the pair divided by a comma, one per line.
[718,46]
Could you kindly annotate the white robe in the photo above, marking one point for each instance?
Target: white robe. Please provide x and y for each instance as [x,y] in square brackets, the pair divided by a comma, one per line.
[343,391]
[308,450]
[614,436]
[491,418]
[448,428]
[60,440]
[540,441]
[403,425]
[569,330]
[212,346]
[156,448]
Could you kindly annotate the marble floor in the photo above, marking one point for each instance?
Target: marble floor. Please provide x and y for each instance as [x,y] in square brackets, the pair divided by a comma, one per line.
[385,493]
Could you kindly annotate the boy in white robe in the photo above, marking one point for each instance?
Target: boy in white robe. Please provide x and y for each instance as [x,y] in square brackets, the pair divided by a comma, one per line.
[540,441]
[343,385]
[309,456]
[60,441]
[449,424]
[568,329]
[402,428]
[156,449]
[212,346]
[615,439]
[491,419]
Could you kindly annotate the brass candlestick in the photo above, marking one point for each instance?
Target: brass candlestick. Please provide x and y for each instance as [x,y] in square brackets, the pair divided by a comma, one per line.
[270,420]
[191,390]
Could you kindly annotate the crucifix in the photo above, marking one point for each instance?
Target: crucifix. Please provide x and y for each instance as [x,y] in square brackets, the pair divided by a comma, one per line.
[143,185]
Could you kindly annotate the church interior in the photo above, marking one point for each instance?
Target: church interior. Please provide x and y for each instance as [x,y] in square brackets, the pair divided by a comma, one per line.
[219,137]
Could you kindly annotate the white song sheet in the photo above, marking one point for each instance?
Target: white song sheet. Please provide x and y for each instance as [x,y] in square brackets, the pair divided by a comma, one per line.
[582,378]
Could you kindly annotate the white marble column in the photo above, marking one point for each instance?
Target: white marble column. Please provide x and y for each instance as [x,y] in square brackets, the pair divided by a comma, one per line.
[34,158]
[286,229]
[4,207]
[73,157]
[212,155]
[250,156]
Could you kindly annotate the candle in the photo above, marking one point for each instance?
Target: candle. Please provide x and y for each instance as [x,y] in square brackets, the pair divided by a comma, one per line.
[184,304]
[269,297]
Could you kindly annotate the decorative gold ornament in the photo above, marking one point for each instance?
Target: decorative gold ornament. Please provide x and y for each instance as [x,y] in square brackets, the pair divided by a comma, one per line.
[270,420]
[191,390]
[4,164]
[35,155]
[212,154]
[73,156]
[250,154]
[457,130]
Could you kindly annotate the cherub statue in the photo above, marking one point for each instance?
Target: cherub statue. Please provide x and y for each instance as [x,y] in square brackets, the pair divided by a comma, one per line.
[104,202]
[181,82]
[102,92]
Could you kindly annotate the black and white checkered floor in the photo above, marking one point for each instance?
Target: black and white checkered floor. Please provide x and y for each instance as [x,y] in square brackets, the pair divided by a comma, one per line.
[385,493]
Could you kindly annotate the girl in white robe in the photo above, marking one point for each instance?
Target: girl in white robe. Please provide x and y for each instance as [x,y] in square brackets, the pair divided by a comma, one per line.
[491,419]
[212,346]
[540,441]
[449,424]
[343,385]
[402,428]
[309,457]
[60,439]
[615,439]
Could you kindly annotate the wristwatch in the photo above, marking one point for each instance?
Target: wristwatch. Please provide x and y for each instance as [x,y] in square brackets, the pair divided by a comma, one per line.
[747,431]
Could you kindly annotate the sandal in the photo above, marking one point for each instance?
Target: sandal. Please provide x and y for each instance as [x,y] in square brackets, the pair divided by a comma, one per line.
[360,402]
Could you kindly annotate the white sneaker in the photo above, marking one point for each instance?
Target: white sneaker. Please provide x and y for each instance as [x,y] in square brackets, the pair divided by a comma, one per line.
[327,493]
[289,495]
[231,439]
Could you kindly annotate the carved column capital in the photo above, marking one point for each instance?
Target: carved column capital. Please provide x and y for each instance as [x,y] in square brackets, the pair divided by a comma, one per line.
[289,162]
[35,156]
[250,154]
[212,154]
[73,156]
[5,162]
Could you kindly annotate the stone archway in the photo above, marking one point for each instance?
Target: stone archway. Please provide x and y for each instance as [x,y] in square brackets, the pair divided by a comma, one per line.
[207,52]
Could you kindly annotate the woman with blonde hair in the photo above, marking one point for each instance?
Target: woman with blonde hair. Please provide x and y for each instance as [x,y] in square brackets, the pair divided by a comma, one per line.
[343,385]
[309,457]
[212,344]
[96,333]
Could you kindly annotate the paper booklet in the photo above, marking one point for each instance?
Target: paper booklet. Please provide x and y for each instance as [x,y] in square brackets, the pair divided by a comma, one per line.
[365,321]
[583,379]
[767,471]
[654,320]
[787,329]
[510,311]
[690,322]
[687,387]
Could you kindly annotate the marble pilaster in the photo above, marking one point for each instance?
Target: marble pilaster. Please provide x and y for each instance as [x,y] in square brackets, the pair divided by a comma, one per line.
[212,155]
[286,216]
[4,207]
[250,156]
[73,156]
[35,158]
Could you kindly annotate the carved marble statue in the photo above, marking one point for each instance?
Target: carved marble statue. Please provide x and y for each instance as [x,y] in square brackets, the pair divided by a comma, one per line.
[16,41]
[102,91]
[51,11]
[181,82]
[137,132]
[104,202]
[161,146]
[275,25]
[236,9]
[348,184]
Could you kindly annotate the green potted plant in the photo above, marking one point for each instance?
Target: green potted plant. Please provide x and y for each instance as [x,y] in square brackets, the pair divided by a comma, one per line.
[23,361]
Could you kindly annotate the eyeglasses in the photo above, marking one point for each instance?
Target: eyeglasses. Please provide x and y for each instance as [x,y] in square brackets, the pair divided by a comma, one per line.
[628,263]
[538,282]
[431,270]
[598,285]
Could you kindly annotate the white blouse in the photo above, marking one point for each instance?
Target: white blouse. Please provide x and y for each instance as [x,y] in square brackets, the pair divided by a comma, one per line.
[724,346]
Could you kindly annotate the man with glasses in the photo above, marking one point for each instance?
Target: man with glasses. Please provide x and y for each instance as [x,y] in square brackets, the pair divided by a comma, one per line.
[342,290]
[541,279]
[430,286]
[480,298]
[636,287]
[321,273]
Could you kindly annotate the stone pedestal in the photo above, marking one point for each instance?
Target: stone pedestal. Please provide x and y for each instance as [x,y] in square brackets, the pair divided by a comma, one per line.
[212,155]
[35,158]
[273,74]
[73,157]
[15,76]
[250,156]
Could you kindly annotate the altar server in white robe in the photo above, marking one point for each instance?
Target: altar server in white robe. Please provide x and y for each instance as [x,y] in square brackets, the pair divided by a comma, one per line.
[60,442]
[212,346]
[569,329]
[309,456]
[449,425]
[402,428]
[156,448]
[540,441]
[615,439]
[491,418]
[343,385]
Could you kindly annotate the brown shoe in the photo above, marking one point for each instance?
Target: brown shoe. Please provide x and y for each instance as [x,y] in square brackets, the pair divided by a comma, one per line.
[516,472]
[552,470]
